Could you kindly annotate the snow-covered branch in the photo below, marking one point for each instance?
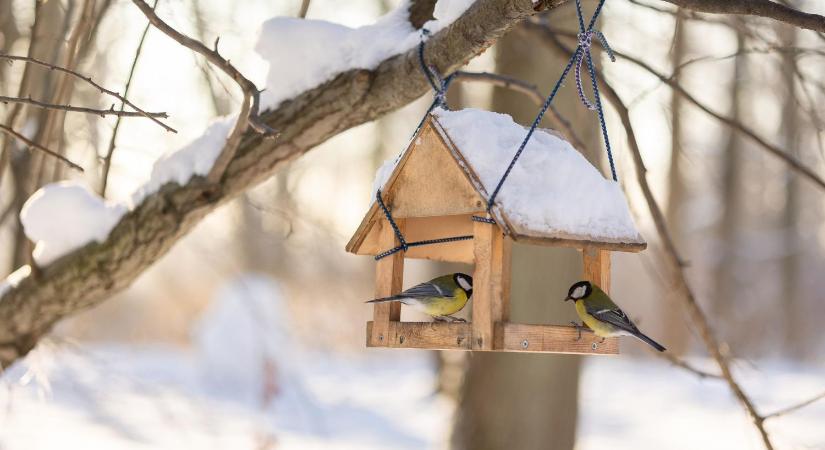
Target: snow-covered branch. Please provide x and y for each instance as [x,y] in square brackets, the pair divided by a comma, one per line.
[90,274]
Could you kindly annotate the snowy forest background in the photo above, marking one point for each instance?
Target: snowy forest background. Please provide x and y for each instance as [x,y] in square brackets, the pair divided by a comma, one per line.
[249,333]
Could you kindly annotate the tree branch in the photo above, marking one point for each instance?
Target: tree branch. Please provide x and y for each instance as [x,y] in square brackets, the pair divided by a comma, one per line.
[87,276]
[10,132]
[30,60]
[531,91]
[795,407]
[760,8]
[249,114]
[673,260]
[82,109]
[107,159]
[792,162]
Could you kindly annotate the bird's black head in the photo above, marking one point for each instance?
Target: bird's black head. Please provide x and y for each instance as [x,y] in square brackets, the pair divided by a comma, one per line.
[465,282]
[579,290]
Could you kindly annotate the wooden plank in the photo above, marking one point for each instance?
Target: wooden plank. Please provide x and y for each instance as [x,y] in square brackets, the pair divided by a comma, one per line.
[597,267]
[389,278]
[431,182]
[516,337]
[510,337]
[426,335]
[489,296]
[425,228]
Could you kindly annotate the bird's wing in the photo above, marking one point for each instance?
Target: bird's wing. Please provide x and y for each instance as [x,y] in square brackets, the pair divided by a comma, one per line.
[425,290]
[613,316]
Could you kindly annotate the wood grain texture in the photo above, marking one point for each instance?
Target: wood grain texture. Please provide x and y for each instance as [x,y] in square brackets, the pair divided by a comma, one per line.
[389,280]
[510,337]
[425,335]
[488,283]
[516,337]
[597,267]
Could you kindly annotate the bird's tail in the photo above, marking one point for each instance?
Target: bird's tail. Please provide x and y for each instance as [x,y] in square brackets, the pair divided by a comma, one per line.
[394,298]
[649,341]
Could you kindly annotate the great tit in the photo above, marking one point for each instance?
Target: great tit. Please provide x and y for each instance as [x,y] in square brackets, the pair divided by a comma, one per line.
[440,297]
[604,317]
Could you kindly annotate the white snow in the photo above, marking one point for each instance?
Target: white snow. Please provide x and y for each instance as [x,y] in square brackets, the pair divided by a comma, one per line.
[246,382]
[302,54]
[135,398]
[306,53]
[61,217]
[14,278]
[195,158]
[552,189]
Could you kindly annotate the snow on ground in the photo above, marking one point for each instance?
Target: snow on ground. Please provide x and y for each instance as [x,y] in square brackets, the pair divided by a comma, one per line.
[551,189]
[246,384]
[151,397]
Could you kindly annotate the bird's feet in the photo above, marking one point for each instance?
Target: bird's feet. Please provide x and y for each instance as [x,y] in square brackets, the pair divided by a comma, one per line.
[449,319]
[579,328]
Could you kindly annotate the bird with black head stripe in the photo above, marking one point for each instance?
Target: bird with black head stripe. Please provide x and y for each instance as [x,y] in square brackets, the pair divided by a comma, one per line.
[602,315]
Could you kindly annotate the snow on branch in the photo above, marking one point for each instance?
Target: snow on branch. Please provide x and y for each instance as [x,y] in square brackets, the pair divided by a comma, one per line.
[312,115]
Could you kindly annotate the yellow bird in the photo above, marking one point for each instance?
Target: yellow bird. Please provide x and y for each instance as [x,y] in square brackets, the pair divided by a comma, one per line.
[440,297]
[604,317]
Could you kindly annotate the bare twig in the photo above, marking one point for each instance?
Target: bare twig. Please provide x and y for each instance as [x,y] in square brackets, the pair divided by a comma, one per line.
[672,257]
[302,13]
[792,408]
[107,159]
[249,114]
[531,91]
[687,366]
[31,60]
[9,131]
[792,162]
[760,8]
[82,109]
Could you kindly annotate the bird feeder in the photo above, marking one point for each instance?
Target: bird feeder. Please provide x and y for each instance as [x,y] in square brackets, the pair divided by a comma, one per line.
[437,186]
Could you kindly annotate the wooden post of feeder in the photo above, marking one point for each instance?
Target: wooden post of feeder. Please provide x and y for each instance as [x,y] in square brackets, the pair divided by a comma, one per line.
[491,283]
[389,278]
[597,267]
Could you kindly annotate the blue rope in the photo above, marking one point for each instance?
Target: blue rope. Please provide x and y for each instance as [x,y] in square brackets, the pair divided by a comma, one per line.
[582,52]
[403,244]
[440,85]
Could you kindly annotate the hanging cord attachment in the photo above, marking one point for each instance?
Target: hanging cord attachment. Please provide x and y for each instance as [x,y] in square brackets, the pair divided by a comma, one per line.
[582,53]
[403,244]
[585,42]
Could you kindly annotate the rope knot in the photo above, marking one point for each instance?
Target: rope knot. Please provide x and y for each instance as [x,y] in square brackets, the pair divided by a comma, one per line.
[585,40]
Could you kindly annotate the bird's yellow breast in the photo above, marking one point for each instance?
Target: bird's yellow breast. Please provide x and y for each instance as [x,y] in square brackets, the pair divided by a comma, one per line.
[445,306]
[600,328]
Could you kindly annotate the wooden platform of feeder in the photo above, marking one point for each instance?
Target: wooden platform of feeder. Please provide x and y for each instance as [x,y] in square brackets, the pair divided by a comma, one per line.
[507,337]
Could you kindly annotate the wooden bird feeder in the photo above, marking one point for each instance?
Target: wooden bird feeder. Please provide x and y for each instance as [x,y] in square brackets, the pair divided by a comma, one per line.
[433,192]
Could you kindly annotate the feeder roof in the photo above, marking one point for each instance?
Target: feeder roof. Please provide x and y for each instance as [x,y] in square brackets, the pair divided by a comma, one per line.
[553,195]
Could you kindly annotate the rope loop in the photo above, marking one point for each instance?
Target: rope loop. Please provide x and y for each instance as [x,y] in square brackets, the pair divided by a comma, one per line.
[583,52]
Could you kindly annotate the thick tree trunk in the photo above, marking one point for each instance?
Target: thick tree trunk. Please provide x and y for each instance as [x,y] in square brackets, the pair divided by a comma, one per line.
[789,300]
[676,331]
[523,401]
[732,210]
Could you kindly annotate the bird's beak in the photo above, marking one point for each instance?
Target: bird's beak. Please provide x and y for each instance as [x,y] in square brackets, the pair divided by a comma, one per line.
[568,298]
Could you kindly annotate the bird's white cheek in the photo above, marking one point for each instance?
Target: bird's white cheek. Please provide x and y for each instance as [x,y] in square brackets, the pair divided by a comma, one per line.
[464,284]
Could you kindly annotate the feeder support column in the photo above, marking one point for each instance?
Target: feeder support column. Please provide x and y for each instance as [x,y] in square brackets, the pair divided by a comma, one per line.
[491,283]
[597,267]
[389,278]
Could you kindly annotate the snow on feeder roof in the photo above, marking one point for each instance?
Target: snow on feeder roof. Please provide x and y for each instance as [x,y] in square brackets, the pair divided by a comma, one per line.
[553,196]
